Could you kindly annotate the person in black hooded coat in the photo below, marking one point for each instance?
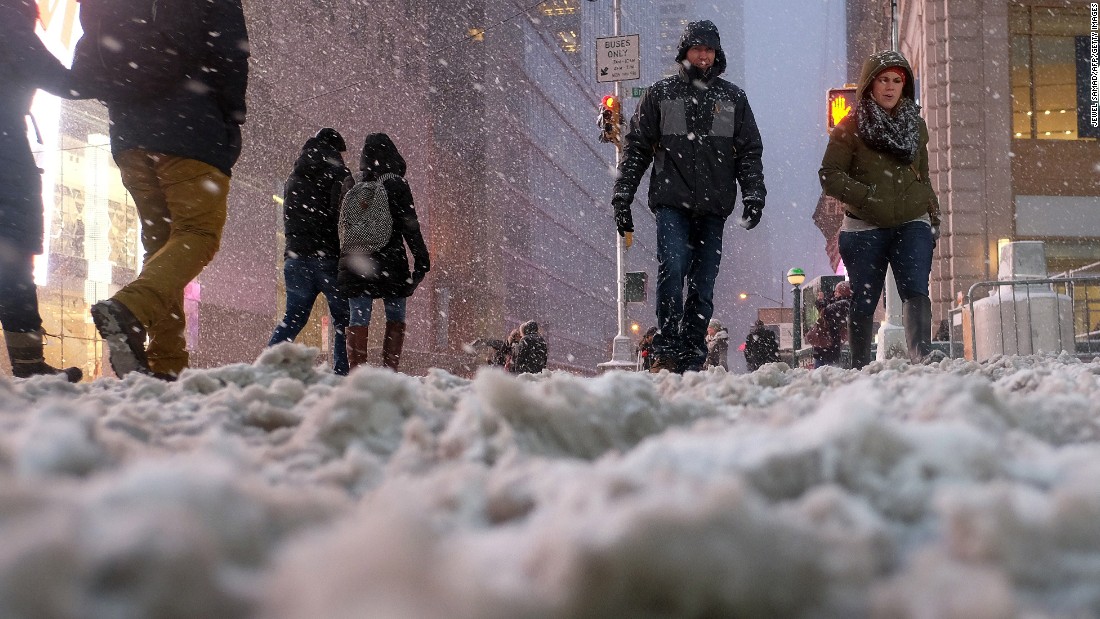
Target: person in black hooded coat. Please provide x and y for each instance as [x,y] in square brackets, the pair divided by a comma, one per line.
[384,273]
[699,133]
[25,65]
[311,209]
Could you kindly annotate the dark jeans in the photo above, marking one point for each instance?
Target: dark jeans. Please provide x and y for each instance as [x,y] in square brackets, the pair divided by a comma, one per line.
[18,295]
[362,307]
[305,279]
[689,250]
[907,248]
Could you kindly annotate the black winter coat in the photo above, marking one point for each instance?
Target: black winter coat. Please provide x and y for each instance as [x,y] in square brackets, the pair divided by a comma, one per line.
[199,119]
[311,202]
[760,348]
[702,141]
[389,275]
[529,354]
[25,65]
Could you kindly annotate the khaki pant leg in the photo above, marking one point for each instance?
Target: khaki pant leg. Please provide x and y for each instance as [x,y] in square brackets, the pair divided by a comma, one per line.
[190,197]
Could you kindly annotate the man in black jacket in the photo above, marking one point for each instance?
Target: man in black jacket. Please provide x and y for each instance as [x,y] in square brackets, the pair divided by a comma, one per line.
[699,132]
[175,140]
[311,212]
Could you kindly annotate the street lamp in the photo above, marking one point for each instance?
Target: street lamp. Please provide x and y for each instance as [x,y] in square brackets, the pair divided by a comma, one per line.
[795,277]
[745,295]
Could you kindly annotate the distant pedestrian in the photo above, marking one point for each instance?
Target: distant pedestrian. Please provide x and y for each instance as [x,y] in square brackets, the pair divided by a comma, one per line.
[699,133]
[25,65]
[718,345]
[509,360]
[760,346]
[174,76]
[311,261]
[496,351]
[377,221]
[530,352]
[645,349]
[832,323]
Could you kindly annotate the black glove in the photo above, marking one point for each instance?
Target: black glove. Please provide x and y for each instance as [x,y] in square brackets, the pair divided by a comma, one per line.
[624,221]
[750,217]
[935,236]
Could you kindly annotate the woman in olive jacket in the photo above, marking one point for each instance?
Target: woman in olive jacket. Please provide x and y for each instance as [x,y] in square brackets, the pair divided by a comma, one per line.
[877,165]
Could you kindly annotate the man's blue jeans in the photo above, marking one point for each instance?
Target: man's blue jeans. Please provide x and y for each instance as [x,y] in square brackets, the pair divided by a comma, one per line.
[305,279]
[907,248]
[689,250]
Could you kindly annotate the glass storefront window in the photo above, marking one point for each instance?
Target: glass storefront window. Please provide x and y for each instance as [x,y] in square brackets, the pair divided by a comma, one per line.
[1044,71]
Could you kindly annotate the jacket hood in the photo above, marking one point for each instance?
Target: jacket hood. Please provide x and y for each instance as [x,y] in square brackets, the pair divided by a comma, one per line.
[702,33]
[885,60]
[380,156]
[317,153]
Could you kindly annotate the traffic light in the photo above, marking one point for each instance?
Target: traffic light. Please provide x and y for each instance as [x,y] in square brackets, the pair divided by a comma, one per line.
[839,104]
[610,119]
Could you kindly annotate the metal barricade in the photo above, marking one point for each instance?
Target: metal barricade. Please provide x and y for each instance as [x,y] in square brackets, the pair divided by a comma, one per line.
[1071,303]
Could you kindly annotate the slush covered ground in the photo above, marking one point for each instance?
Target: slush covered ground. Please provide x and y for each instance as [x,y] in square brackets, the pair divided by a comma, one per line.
[278,490]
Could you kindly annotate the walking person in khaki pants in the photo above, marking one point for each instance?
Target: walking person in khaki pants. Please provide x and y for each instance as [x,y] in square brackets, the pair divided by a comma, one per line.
[175,135]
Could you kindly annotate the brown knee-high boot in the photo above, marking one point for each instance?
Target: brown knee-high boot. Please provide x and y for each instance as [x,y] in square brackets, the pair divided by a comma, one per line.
[356,343]
[392,344]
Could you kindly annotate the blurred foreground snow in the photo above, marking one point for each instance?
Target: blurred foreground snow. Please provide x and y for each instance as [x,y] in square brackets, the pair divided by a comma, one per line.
[280,490]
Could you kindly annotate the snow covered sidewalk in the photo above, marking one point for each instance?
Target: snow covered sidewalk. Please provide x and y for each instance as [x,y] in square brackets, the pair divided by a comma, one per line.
[280,490]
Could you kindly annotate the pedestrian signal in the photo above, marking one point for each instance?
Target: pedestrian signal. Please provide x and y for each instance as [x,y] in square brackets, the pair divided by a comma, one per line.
[610,119]
[839,104]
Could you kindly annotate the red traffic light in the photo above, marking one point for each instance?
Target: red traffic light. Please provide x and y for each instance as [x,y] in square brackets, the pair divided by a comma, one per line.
[610,102]
[839,103]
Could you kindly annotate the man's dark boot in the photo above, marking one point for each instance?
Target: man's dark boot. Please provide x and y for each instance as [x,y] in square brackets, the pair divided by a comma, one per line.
[860,336]
[124,335]
[918,327]
[392,343]
[356,343]
[25,353]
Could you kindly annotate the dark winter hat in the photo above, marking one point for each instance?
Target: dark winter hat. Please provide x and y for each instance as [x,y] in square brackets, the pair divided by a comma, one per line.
[529,327]
[702,33]
[715,324]
[331,137]
[380,156]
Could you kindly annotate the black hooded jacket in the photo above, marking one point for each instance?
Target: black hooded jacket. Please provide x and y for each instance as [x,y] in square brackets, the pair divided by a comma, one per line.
[699,133]
[311,202]
[25,65]
[386,273]
[201,118]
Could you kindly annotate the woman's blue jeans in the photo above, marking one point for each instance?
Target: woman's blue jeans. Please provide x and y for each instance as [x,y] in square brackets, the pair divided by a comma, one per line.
[361,308]
[866,254]
[305,279]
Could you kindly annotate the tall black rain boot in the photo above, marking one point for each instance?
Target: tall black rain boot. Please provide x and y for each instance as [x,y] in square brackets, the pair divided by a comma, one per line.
[860,336]
[918,327]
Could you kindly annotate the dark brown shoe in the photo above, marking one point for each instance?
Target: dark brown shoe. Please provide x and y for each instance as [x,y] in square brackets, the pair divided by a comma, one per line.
[125,337]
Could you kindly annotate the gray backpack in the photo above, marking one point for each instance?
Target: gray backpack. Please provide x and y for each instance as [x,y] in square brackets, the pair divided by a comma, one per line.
[365,220]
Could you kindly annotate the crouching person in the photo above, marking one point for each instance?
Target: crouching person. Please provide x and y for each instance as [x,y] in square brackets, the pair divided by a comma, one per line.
[377,221]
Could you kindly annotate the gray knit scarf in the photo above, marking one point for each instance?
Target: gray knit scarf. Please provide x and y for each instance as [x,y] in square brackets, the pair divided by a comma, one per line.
[896,134]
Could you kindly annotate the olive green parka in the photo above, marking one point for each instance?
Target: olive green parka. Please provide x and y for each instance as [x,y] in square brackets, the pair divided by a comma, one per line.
[877,187]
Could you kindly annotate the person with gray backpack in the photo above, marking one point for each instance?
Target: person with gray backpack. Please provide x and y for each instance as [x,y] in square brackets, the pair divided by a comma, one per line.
[377,221]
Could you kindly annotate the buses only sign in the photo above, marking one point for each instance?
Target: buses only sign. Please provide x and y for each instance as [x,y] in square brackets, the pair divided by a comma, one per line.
[618,58]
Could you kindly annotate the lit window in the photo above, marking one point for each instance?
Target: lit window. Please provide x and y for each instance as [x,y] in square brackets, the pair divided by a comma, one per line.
[1047,72]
